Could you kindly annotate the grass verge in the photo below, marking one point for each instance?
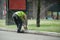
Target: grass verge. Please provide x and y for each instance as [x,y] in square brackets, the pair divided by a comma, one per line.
[45,25]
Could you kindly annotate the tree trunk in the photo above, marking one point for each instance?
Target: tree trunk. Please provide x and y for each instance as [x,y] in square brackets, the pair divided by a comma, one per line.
[38,14]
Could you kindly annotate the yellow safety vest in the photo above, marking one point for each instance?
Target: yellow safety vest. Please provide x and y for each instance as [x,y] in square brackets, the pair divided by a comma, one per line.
[20,14]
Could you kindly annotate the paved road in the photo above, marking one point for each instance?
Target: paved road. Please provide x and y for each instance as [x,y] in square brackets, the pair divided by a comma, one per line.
[4,35]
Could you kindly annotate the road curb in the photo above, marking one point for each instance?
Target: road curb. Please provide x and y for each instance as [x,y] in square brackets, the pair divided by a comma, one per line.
[34,32]
[45,33]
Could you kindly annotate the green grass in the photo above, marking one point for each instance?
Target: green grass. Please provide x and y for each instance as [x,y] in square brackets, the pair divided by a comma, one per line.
[45,25]
[45,28]
[3,24]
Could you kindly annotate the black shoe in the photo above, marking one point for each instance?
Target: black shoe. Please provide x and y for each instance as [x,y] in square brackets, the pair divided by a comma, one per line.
[18,31]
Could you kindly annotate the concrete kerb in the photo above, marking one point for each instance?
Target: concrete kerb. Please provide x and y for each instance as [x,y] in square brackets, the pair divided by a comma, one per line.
[34,32]
[44,33]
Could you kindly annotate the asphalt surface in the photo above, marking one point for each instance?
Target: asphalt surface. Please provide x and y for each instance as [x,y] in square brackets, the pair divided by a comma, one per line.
[4,35]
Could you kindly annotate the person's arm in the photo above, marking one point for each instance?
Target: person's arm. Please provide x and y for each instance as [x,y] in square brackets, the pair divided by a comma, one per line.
[25,22]
[25,16]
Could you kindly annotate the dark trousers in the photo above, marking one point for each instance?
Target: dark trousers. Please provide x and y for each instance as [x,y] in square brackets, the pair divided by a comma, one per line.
[18,22]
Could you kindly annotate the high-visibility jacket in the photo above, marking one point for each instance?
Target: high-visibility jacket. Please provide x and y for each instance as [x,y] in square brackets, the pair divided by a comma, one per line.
[21,14]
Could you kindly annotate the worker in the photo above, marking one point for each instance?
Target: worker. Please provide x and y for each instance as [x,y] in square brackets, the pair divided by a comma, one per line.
[19,18]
